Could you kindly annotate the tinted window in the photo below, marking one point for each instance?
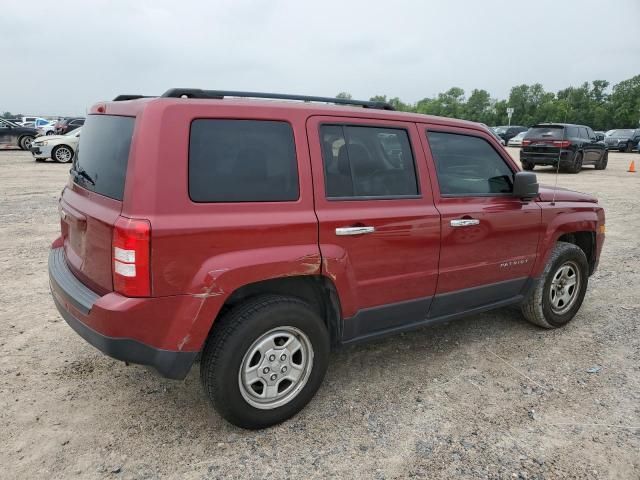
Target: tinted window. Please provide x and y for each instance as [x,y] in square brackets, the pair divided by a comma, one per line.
[242,161]
[551,132]
[583,132]
[103,154]
[367,162]
[468,165]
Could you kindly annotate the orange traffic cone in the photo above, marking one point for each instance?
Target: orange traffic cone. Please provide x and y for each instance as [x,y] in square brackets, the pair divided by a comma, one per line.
[632,167]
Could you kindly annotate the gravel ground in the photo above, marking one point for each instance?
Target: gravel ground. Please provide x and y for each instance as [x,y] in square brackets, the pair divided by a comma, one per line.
[490,396]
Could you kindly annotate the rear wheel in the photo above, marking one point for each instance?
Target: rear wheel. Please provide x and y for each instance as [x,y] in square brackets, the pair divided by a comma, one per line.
[62,154]
[25,142]
[604,160]
[528,165]
[264,360]
[558,294]
[577,164]
[628,148]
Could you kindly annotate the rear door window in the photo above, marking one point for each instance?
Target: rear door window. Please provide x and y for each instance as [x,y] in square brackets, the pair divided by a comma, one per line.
[365,162]
[103,154]
[468,165]
[242,161]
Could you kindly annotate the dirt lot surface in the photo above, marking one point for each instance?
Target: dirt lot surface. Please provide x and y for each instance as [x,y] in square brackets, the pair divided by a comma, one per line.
[490,396]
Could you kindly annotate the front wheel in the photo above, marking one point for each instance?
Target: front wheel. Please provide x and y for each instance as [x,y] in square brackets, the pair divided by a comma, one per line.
[264,360]
[558,294]
[62,154]
[25,142]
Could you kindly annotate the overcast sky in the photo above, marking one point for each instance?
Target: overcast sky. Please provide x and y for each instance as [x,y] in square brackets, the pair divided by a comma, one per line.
[59,57]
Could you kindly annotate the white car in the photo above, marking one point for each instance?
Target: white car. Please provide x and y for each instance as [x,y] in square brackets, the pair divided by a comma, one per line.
[517,140]
[48,129]
[61,148]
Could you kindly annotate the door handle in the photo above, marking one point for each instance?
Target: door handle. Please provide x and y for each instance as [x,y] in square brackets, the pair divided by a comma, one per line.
[465,222]
[342,231]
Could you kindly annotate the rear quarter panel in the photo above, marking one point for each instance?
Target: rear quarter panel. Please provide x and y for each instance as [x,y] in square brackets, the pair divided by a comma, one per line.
[208,250]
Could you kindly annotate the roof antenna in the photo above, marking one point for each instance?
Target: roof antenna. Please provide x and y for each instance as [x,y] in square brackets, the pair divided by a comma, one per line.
[555,187]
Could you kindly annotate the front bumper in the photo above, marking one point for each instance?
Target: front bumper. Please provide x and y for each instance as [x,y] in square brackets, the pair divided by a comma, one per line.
[40,151]
[78,304]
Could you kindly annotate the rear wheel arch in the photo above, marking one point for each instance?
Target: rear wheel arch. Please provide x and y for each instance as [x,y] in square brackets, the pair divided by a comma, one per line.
[319,291]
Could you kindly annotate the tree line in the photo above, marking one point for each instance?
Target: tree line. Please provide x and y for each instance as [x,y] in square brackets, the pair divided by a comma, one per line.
[592,103]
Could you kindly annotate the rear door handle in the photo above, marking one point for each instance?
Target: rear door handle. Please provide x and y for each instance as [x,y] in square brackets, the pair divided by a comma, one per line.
[342,231]
[465,222]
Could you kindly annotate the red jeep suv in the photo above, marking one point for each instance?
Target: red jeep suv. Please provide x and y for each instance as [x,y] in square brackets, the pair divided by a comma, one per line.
[256,235]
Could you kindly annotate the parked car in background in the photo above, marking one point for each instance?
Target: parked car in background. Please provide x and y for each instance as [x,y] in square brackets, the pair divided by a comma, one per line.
[600,135]
[69,124]
[623,140]
[571,145]
[199,237]
[36,121]
[13,135]
[517,140]
[61,148]
[48,129]
[492,131]
[506,133]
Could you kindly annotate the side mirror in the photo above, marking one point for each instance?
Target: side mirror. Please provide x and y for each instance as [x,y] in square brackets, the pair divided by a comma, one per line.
[525,185]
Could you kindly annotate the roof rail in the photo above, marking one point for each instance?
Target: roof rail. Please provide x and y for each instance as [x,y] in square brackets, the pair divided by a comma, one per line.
[220,94]
[122,98]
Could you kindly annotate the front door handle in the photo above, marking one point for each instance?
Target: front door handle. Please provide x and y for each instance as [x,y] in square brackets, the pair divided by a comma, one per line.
[465,222]
[342,231]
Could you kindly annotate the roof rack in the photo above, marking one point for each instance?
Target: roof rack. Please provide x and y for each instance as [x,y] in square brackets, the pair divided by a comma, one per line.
[122,98]
[220,94]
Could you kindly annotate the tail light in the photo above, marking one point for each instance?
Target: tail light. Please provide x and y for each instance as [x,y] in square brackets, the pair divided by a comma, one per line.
[562,143]
[130,257]
[526,142]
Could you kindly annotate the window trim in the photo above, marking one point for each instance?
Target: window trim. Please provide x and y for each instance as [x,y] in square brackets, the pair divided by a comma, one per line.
[342,125]
[244,202]
[469,133]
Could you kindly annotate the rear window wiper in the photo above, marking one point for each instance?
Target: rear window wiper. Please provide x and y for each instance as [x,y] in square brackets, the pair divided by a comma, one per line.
[80,172]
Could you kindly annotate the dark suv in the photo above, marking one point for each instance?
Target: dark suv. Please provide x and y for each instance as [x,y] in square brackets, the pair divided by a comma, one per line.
[571,145]
[624,140]
[506,133]
[256,235]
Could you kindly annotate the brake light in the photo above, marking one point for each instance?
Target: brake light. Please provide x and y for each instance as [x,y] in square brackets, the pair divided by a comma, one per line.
[526,142]
[562,143]
[130,257]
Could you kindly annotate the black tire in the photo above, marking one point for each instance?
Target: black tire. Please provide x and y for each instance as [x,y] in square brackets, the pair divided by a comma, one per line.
[528,166]
[604,160]
[231,339]
[50,132]
[537,307]
[576,166]
[628,148]
[25,142]
[65,153]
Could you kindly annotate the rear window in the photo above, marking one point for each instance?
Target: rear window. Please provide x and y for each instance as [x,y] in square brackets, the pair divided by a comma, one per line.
[103,154]
[552,131]
[622,133]
[242,161]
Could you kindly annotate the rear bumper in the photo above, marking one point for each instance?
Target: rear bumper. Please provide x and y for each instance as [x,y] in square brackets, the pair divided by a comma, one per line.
[83,309]
[547,158]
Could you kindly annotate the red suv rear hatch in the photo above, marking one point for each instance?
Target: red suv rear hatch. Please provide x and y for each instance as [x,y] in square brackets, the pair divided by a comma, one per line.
[90,208]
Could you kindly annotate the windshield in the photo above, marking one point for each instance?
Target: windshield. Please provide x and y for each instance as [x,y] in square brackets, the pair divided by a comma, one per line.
[500,129]
[622,133]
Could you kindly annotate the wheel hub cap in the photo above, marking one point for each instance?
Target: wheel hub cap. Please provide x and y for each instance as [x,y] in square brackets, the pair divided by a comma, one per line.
[275,368]
[564,288]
